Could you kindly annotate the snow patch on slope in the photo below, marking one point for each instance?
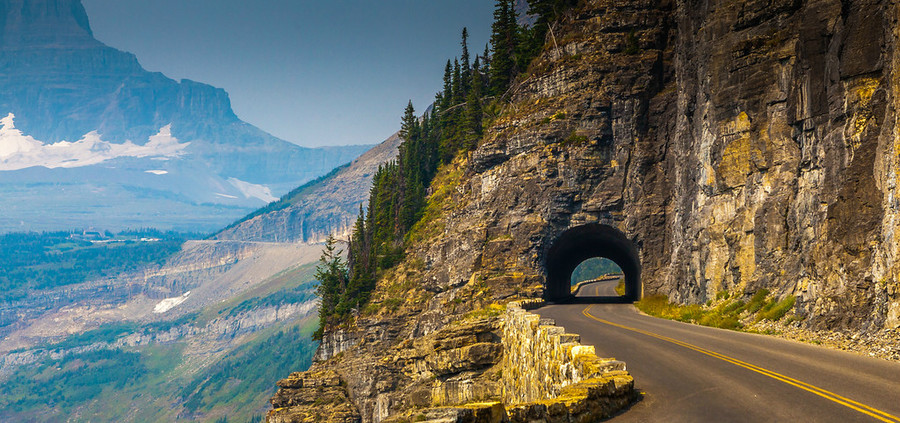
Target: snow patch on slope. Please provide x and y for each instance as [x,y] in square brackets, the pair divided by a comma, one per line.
[170,303]
[19,151]
[253,190]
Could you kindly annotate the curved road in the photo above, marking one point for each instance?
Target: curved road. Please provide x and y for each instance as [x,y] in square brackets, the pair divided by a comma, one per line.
[691,373]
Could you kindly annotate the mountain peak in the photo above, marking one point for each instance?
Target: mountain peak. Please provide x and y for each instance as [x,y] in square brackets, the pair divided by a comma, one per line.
[30,24]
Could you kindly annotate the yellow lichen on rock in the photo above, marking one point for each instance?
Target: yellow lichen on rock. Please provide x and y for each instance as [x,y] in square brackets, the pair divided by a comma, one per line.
[741,155]
[859,100]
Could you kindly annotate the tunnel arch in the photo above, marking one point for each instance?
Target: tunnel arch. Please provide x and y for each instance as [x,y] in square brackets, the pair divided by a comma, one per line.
[580,243]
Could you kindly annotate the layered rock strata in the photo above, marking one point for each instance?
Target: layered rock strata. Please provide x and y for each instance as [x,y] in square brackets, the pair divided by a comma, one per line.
[515,367]
[738,145]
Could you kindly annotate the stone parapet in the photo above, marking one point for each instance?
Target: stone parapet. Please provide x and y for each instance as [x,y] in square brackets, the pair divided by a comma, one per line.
[547,370]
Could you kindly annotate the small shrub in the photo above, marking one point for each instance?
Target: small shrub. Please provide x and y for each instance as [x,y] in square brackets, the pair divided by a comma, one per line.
[720,321]
[691,313]
[574,139]
[758,300]
[392,304]
[655,305]
[735,307]
[778,310]
[491,310]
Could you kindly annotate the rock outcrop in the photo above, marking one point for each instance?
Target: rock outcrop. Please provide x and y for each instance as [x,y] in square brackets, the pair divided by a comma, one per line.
[514,367]
[313,397]
[737,145]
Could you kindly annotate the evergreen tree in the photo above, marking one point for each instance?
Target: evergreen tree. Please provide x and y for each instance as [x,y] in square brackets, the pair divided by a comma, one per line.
[486,59]
[503,46]
[473,120]
[409,125]
[548,11]
[447,94]
[456,82]
[331,272]
[466,70]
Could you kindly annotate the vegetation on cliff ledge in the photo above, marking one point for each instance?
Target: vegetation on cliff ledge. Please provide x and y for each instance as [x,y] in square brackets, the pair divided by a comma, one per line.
[473,91]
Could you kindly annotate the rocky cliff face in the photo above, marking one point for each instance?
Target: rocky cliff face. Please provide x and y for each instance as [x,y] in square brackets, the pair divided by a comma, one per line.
[58,83]
[42,23]
[733,145]
[788,112]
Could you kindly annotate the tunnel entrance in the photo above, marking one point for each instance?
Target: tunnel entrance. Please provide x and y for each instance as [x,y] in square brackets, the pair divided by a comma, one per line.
[581,243]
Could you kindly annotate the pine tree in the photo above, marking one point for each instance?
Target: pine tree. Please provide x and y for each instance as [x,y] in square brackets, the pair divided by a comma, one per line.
[331,272]
[548,11]
[503,46]
[456,82]
[466,70]
[486,59]
[409,125]
[447,94]
[473,120]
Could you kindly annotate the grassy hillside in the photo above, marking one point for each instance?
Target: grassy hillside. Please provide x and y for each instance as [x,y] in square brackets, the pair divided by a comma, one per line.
[85,379]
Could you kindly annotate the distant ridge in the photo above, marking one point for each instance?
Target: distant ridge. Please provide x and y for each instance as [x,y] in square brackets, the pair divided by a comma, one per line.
[328,205]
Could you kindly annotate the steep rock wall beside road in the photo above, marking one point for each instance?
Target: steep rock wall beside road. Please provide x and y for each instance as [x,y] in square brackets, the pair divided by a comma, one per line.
[738,145]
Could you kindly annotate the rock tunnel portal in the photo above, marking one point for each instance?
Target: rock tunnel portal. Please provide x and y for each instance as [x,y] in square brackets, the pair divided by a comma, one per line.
[580,243]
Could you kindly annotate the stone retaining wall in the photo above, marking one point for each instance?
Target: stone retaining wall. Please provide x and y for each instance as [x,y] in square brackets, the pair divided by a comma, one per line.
[544,366]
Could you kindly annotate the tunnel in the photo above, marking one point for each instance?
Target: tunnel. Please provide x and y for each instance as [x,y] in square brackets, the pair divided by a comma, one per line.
[583,242]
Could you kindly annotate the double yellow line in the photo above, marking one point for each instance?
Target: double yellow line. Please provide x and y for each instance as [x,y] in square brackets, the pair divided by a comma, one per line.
[862,408]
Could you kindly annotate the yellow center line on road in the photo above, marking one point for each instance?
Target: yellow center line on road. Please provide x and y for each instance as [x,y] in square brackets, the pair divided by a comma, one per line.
[862,408]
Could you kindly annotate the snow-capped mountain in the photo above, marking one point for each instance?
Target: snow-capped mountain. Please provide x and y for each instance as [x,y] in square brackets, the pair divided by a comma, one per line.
[90,138]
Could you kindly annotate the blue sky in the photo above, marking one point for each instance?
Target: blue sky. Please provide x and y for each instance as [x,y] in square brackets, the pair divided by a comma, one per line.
[327,72]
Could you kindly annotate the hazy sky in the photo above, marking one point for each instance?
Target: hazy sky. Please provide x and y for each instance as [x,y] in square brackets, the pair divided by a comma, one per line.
[324,72]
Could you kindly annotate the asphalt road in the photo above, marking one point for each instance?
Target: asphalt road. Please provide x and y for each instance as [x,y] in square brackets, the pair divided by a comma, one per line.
[691,373]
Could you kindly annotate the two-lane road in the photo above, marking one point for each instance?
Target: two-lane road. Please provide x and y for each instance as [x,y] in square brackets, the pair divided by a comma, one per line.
[691,373]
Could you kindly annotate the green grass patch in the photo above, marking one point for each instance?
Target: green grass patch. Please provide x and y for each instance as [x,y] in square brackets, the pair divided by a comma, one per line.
[443,185]
[726,315]
[620,287]
[492,310]
[776,311]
